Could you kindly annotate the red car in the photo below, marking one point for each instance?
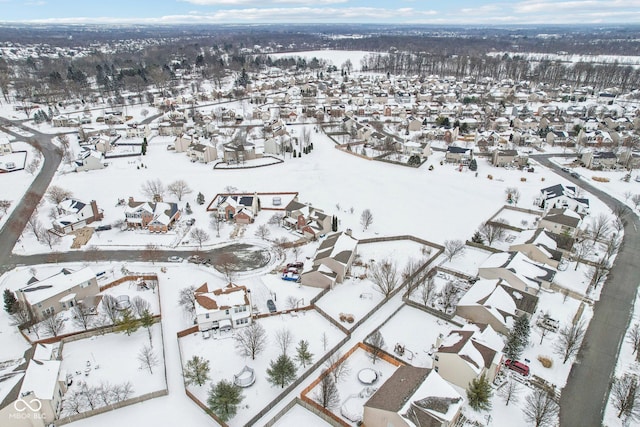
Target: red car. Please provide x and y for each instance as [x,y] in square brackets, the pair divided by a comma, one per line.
[518,367]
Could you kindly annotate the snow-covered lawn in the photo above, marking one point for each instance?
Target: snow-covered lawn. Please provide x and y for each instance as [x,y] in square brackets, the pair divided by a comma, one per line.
[15,184]
[354,296]
[225,361]
[399,330]
[352,392]
[113,359]
[468,262]
[300,416]
[399,251]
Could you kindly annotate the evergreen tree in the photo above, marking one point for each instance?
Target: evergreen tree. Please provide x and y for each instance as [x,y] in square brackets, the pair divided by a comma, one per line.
[10,301]
[477,238]
[304,356]
[200,199]
[281,371]
[479,393]
[144,148]
[127,323]
[147,321]
[473,165]
[224,398]
[518,337]
[187,209]
[334,223]
[196,371]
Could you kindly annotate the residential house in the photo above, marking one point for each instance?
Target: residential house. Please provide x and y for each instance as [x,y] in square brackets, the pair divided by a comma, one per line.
[491,302]
[561,221]
[74,214]
[182,143]
[458,155]
[563,197]
[35,400]
[89,160]
[5,146]
[241,208]
[466,354]
[155,216]
[59,292]
[306,219]
[599,159]
[332,261]
[503,157]
[239,153]
[135,130]
[413,397]
[518,271]
[630,159]
[538,245]
[203,153]
[224,308]
[559,137]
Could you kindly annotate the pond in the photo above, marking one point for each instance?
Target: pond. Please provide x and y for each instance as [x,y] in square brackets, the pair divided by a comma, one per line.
[238,257]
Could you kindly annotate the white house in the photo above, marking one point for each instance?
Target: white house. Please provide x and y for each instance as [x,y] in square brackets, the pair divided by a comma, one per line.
[563,197]
[89,160]
[5,146]
[75,214]
[225,308]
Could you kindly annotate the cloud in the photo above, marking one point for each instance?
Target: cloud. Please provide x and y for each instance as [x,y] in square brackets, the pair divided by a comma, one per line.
[35,3]
[262,3]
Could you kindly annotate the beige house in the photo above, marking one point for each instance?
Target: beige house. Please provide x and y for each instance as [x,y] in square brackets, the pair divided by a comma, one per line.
[413,397]
[89,160]
[538,245]
[493,303]
[225,308]
[466,354]
[237,207]
[156,217]
[334,256]
[311,222]
[561,221]
[182,143]
[202,153]
[59,292]
[36,398]
[518,271]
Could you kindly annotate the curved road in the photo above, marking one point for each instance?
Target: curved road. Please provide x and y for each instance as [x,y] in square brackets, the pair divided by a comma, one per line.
[584,397]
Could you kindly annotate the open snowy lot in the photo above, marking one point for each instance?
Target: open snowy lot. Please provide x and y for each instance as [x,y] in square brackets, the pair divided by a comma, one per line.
[300,416]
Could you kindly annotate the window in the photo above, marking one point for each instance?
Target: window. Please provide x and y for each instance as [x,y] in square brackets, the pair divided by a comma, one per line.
[242,321]
[206,316]
[226,311]
[436,358]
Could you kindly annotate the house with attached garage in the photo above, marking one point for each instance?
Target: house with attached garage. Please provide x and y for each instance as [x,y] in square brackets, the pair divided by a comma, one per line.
[203,153]
[562,197]
[225,308]
[238,207]
[5,146]
[74,214]
[33,396]
[465,354]
[599,159]
[494,303]
[458,155]
[414,397]
[561,221]
[538,245]
[59,292]
[154,216]
[332,261]
[311,222]
[518,271]
[89,160]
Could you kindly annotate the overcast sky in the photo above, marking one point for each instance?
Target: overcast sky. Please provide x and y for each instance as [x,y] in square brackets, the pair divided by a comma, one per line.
[484,12]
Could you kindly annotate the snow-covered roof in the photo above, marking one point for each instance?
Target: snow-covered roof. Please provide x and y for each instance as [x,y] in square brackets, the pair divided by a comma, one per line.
[220,299]
[435,397]
[41,378]
[66,279]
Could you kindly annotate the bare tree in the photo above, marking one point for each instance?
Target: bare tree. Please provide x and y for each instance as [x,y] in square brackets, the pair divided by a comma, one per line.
[581,250]
[123,391]
[154,190]
[366,219]
[56,194]
[226,265]
[409,275]
[596,274]
[263,232]
[635,199]
[541,409]
[509,392]
[148,359]
[139,305]
[35,226]
[4,206]
[199,235]
[81,316]
[384,276]
[338,366]
[74,402]
[449,295]
[453,249]
[179,188]
[291,302]
[625,396]
[427,291]
[633,337]
[327,394]
[49,238]
[216,222]
[250,341]
[376,341]
[32,166]
[187,300]
[21,314]
[513,194]
[109,307]
[276,219]
[599,227]
[53,324]
[613,246]
[569,340]
[493,231]
[284,338]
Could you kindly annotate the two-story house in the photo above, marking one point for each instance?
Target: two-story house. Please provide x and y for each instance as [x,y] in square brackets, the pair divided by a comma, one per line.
[154,216]
[74,214]
[306,219]
[332,261]
[224,309]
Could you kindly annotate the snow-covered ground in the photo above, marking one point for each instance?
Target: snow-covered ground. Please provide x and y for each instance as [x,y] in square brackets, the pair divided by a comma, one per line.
[15,184]
[334,57]
[300,416]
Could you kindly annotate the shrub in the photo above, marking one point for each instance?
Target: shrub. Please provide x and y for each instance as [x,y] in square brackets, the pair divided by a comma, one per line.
[523,179]
[490,176]
[546,361]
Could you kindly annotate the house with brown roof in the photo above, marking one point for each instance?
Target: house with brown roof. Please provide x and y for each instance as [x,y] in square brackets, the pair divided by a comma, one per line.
[466,354]
[154,216]
[224,308]
[238,207]
[413,397]
[306,219]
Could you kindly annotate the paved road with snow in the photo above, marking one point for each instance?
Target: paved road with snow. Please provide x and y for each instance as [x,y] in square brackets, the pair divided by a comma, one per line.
[585,395]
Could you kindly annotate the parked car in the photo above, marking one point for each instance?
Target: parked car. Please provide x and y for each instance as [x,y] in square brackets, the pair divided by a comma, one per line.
[195,259]
[103,227]
[297,264]
[518,367]
[567,170]
[290,276]
[175,258]
[10,165]
[271,306]
[575,174]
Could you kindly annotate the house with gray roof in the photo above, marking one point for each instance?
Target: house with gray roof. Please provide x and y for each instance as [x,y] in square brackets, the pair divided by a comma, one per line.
[332,261]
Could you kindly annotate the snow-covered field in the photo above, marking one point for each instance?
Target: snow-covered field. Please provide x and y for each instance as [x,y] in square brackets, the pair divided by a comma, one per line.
[334,57]
[15,184]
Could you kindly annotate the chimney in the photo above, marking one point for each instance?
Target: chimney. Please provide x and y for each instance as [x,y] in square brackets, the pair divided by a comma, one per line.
[97,216]
[130,200]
